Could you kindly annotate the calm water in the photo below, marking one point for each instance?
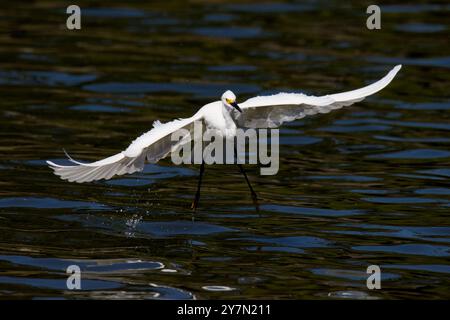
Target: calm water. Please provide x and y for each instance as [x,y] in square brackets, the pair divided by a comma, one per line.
[365,185]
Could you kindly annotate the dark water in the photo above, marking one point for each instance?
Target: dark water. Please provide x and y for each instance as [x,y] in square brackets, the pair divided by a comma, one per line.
[361,186]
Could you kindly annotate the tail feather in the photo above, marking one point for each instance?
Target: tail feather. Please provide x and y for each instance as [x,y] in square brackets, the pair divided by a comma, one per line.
[71,159]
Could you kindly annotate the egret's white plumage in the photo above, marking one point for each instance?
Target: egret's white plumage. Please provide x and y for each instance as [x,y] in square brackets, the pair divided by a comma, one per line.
[224,116]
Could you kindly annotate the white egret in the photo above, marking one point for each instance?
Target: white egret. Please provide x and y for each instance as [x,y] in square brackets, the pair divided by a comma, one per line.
[223,116]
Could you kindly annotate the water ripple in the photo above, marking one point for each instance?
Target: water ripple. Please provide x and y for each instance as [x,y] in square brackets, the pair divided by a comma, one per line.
[47,203]
[409,249]
[311,211]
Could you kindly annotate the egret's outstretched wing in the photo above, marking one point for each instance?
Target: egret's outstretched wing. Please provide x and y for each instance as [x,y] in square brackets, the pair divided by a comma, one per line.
[151,146]
[272,111]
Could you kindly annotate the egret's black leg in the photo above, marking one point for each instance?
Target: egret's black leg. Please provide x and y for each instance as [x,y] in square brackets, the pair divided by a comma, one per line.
[241,169]
[254,197]
[197,194]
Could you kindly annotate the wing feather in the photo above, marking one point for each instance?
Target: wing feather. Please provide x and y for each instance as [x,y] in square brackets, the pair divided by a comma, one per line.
[151,146]
[272,111]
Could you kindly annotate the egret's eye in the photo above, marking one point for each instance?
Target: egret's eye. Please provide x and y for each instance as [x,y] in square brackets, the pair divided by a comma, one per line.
[229,101]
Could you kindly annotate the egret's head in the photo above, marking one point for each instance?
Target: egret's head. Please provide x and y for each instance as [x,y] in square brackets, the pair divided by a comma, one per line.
[229,100]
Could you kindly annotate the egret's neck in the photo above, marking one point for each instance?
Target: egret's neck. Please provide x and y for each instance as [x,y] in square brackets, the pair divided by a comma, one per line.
[226,112]
[230,125]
